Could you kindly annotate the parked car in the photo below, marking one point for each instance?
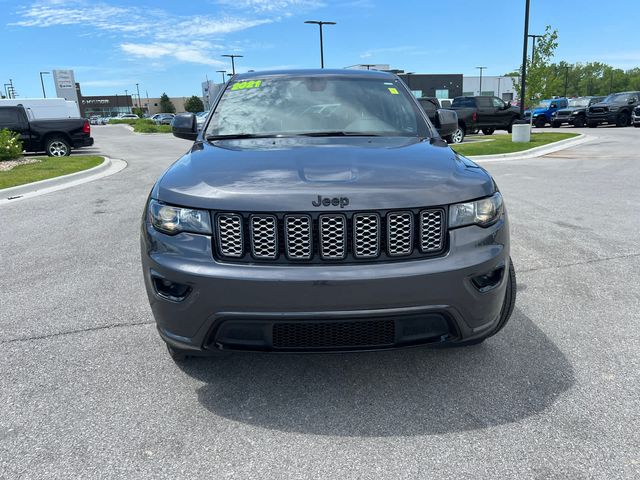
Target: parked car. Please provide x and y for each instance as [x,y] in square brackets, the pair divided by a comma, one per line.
[484,113]
[576,112]
[360,230]
[635,117]
[55,137]
[44,108]
[542,113]
[94,120]
[431,107]
[614,110]
[128,115]
[163,118]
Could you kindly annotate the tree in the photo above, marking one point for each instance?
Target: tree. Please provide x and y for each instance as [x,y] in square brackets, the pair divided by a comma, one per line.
[194,104]
[166,105]
[542,80]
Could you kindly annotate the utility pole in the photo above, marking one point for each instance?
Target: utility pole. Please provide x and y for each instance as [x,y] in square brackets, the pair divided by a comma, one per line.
[233,63]
[223,72]
[566,79]
[44,94]
[523,80]
[481,69]
[320,24]
[117,106]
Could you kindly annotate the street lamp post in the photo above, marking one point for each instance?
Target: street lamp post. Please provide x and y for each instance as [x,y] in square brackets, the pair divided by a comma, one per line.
[233,63]
[320,24]
[481,69]
[138,90]
[533,47]
[44,94]
[368,65]
[566,79]
[523,79]
[223,72]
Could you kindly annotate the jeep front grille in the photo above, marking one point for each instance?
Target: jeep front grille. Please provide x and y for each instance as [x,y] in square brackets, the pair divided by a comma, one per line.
[330,237]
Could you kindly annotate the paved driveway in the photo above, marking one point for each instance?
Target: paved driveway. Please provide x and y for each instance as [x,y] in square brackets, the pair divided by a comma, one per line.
[87,390]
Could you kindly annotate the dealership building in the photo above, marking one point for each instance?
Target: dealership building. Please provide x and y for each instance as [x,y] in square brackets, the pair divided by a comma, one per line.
[502,87]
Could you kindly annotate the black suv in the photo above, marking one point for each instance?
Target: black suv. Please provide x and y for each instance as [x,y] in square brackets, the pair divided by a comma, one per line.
[319,210]
[615,109]
[431,106]
[576,112]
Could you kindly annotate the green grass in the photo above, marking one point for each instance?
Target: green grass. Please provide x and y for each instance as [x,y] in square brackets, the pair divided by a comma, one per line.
[49,167]
[503,144]
[142,127]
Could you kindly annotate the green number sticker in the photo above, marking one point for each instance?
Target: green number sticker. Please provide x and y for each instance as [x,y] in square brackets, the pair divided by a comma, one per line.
[246,85]
[394,91]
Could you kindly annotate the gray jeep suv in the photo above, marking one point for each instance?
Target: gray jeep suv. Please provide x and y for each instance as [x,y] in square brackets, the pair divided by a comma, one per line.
[319,210]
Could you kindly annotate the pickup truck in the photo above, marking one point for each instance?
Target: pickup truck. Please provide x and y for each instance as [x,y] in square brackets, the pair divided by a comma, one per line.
[615,110]
[543,111]
[55,137]
[484,113]
[431,106]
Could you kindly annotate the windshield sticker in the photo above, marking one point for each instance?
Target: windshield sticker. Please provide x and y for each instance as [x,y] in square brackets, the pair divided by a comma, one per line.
[394,91]
[246,85]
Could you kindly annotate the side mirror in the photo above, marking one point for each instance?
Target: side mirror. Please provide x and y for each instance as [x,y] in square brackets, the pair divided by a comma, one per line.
[632,101]
[184,126]
[446,122]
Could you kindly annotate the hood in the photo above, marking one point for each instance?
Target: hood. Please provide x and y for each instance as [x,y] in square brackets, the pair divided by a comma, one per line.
[288,174]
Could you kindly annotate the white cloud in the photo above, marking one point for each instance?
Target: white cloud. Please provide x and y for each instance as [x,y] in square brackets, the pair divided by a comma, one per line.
[281,7]
[193,52]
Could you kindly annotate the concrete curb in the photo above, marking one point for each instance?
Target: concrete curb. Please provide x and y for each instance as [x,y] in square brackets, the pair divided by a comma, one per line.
[107,167]
[535,152]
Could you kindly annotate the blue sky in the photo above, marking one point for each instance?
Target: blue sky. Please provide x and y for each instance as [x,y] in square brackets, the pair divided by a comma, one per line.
[170,46]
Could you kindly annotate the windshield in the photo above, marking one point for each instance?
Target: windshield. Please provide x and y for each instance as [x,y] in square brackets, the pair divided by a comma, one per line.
[273,105]
[617,98]
[579,102]
[543,104]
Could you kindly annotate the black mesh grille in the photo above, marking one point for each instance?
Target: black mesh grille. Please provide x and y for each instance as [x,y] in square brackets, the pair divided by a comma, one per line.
[310,335]
[298,238]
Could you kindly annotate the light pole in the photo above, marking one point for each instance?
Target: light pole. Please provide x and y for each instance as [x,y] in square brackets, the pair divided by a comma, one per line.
[368,65]
[126,102]
[566,78]
[320,24]
[233,63]
[138,90]
[481,69]
[44,94]
[523,79]
[223,72]
[117,106]
[533,48]
[7,91]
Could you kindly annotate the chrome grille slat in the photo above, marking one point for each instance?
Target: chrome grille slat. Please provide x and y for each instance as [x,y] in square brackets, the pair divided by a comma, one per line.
[264,236]
[333,237]
[431,234]
[298,236]
[230,235]
[366,235]
[400,233]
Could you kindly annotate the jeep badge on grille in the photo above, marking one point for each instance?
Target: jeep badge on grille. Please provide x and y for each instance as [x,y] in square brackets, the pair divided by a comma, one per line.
[327,202]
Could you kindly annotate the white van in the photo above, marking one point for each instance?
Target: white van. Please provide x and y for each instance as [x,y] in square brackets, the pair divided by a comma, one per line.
[44,108]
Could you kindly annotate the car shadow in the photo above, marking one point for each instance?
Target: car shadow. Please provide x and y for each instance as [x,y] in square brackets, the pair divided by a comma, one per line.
[514,375]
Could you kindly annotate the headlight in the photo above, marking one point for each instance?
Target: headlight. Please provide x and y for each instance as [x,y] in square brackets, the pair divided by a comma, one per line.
[554,114]
[613,108]
[173,220]
[482,212]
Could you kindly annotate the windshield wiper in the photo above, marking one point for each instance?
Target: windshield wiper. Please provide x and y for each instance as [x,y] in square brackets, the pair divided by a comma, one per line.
[234,136]
[338,133]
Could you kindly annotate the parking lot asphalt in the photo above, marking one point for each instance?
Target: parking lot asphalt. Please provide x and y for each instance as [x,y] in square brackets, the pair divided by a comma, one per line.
[88,391]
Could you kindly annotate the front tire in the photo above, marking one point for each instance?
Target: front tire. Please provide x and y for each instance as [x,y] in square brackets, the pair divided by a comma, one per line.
[579,122]
[488,131]
[457,136]
[540,122]
[592,124]
[57,147]
[556,124]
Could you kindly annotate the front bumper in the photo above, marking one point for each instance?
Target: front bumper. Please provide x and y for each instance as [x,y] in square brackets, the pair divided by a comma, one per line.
[609,117]
[255,307]
[635,119]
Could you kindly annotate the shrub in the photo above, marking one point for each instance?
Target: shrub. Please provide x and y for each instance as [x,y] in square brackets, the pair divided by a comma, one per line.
[10,145]
[144,127]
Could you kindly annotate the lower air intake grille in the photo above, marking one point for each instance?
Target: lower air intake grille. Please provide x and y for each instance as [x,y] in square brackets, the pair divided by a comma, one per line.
[366,333]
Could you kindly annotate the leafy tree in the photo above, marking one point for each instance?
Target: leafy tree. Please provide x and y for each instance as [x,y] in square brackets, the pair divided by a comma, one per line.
[194,104]
[166,105]
[137,111]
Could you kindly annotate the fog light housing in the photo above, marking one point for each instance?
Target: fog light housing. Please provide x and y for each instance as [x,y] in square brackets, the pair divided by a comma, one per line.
[488,281]
[174,291]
